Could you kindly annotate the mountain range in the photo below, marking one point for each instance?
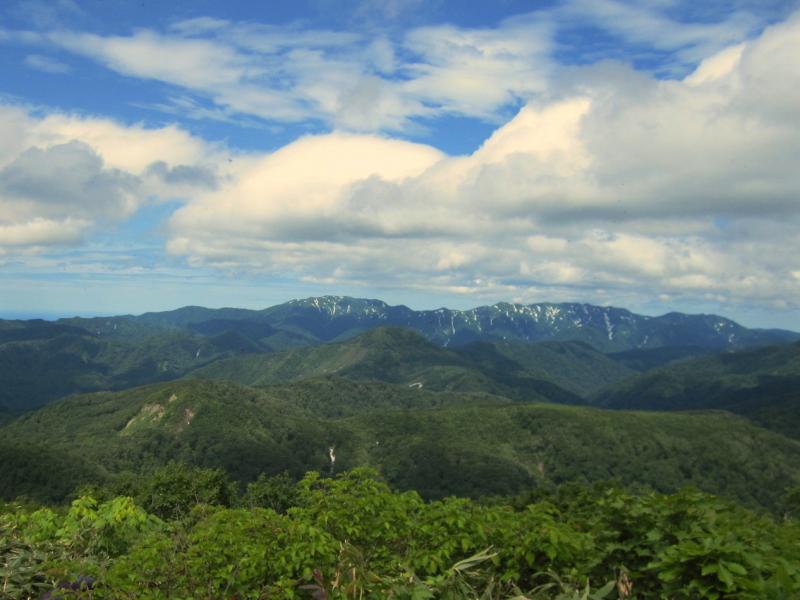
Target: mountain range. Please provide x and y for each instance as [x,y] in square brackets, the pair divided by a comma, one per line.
[333,318]
[107,353]
[490,401]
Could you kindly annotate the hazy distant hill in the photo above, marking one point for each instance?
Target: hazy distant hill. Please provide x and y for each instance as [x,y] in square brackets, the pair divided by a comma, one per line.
[467,444]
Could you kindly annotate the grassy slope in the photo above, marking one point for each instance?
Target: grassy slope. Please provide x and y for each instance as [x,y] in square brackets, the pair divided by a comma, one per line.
[475,446]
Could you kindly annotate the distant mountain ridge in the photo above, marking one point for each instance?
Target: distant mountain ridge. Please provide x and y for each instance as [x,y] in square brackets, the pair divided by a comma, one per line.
[333,318]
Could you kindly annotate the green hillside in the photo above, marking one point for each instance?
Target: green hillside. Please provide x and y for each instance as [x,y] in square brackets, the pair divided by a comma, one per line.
[574,366]
[762,384]
[459,450]
[475,447]
[398,356]
[41,362]
[645,359]
[334,397]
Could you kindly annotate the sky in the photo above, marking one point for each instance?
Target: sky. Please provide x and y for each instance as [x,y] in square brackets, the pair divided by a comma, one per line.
[429,153]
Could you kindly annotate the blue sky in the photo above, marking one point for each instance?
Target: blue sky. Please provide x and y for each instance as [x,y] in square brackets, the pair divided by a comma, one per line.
[640,154]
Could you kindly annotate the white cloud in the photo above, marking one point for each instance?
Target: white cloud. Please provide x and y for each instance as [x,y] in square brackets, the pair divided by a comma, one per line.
[609,183]
[626,185]
[345,80]
[39,231]
[375,82]
[60,175]
[650,27]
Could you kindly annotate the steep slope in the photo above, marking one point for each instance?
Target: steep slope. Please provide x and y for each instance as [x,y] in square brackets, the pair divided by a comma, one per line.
[469,447]
[763,384]
[391,355]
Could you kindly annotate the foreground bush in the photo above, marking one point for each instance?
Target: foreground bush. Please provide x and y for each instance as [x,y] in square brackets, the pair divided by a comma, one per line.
[352,537]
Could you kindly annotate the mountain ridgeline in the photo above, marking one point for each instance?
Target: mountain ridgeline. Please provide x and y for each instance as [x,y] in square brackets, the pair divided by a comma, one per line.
[333,318]
[498,348]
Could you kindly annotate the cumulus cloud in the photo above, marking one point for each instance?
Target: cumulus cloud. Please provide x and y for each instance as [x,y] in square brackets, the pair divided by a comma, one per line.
[62,175]
[67,177]
[625,182]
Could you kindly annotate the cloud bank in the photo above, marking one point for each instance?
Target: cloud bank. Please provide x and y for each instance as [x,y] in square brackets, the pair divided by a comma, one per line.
[63,176]
[624,182]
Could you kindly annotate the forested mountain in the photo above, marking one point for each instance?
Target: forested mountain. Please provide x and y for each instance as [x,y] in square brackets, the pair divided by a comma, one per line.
[108,353]
[329,318]
[644,359]
[399,356]
[437,417]
[461,444]
[257,400]
[41,361]
[762,384]
[574,366]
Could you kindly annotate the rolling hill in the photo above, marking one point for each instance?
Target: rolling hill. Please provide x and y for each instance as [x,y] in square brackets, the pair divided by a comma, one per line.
[762,384]
[465,444]
[41,361]
[394,355]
